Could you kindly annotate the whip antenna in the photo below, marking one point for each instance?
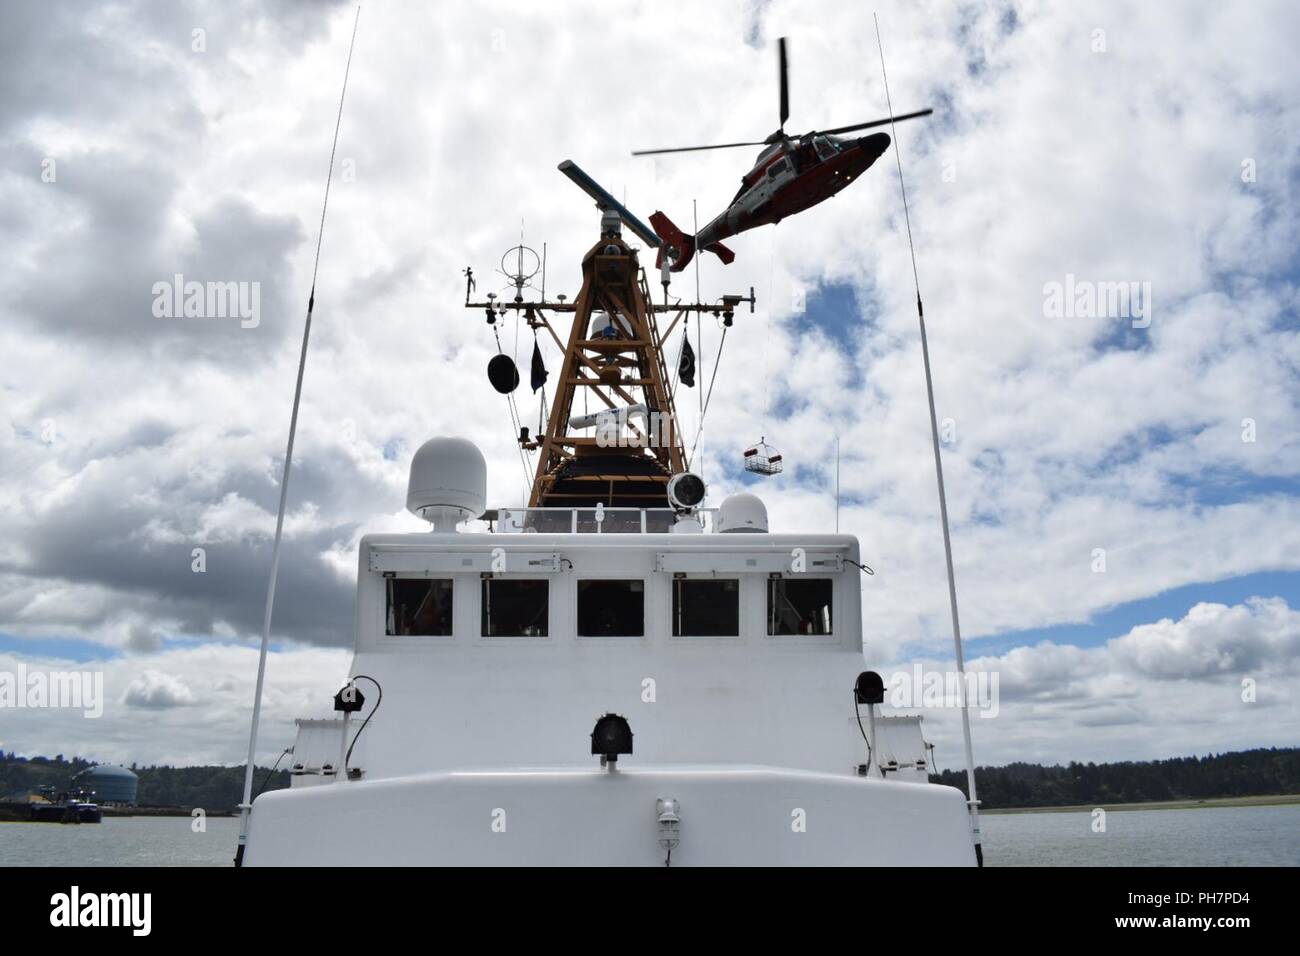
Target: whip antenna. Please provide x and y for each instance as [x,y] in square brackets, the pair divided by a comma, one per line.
[973,801]
[246,806]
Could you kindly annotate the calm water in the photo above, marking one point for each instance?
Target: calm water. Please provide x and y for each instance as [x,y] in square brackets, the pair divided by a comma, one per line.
[1218,836]
[120,841]
[1209,836]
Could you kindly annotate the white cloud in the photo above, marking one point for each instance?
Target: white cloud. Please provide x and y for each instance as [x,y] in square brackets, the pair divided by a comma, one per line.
[133,440]
[178,706]
[154,690]
[1217,679]
[1213,640]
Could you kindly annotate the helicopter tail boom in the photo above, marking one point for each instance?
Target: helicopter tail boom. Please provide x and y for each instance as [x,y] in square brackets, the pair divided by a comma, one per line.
[679,248]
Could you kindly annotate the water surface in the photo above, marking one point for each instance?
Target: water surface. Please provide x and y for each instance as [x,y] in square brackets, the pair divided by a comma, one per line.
[1208,836]
[1203,836]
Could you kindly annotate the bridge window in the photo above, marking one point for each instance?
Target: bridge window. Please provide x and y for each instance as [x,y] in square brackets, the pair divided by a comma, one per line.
[706,607]
[799,606]
[515,608]
[419,607]
[611,608]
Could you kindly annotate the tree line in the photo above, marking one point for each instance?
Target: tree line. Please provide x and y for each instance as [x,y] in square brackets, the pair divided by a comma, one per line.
[1246,773]
[213,788]
[1239,774]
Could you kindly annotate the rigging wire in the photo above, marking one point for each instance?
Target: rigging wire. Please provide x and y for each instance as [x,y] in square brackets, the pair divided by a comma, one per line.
[699,331]
[704,410]
[515,422]
[515,357]
[510,405]
[699,325]
[523,455]
[519,415]
[247,804]
[541,401]
[271,773]
[973,802]
[677,367]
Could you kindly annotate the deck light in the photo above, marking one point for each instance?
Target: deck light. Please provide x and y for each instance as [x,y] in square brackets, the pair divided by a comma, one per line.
[685,491]
[611,737]
[349,700]
[869,688]
[670,823]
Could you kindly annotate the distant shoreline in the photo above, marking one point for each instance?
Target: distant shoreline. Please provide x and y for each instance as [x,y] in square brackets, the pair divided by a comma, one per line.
[1270,800]
[21,812]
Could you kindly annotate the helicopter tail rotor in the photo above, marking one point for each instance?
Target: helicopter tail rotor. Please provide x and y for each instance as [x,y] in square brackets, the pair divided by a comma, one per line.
[678,248]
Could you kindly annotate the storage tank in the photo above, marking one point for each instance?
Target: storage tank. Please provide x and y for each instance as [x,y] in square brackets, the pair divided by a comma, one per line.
[110,784]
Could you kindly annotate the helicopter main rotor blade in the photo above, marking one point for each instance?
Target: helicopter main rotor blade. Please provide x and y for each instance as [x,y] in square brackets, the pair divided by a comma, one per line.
[882,122]
[774,137]
[783,77]
[785,81]
[692,149]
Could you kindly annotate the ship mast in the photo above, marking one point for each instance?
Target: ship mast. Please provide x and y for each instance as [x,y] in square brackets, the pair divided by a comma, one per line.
[623,454]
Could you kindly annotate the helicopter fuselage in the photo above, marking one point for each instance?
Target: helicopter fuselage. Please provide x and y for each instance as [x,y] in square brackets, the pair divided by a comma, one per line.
[789,177]
[791,174]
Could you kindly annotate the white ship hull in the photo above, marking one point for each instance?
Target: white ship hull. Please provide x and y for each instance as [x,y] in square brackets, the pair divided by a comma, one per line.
[732,816]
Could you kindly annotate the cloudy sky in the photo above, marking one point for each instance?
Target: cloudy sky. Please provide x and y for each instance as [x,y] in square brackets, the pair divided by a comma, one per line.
[1124,490]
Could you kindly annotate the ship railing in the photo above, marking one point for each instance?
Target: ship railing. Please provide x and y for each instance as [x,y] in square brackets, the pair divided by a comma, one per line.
[594,520]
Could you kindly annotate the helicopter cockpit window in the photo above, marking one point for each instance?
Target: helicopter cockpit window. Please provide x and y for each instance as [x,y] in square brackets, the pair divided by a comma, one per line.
[517,608]
[799,606]
[419,607]
[824,148]
[777,168]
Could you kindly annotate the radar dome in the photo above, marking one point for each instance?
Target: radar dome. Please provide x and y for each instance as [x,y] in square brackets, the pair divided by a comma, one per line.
[742,513]
[448,482]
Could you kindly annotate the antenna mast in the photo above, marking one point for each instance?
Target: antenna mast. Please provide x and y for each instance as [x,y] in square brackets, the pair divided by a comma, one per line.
[246,806]
[972,800]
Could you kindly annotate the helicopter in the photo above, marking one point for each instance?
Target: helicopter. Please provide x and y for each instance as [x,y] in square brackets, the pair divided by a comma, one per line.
[791,174]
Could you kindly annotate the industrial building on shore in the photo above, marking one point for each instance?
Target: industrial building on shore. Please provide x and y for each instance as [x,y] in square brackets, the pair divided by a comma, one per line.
[110,785]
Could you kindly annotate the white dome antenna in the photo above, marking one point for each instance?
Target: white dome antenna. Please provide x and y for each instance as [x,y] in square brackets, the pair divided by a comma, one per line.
[742,513]
[448,482]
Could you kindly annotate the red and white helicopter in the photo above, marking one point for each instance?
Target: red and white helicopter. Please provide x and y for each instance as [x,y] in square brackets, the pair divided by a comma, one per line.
[790,175]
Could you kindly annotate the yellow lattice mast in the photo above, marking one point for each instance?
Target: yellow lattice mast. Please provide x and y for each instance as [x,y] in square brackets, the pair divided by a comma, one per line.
[622,451]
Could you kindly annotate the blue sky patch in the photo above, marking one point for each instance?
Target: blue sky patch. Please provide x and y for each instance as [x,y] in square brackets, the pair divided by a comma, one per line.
[1119,620]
